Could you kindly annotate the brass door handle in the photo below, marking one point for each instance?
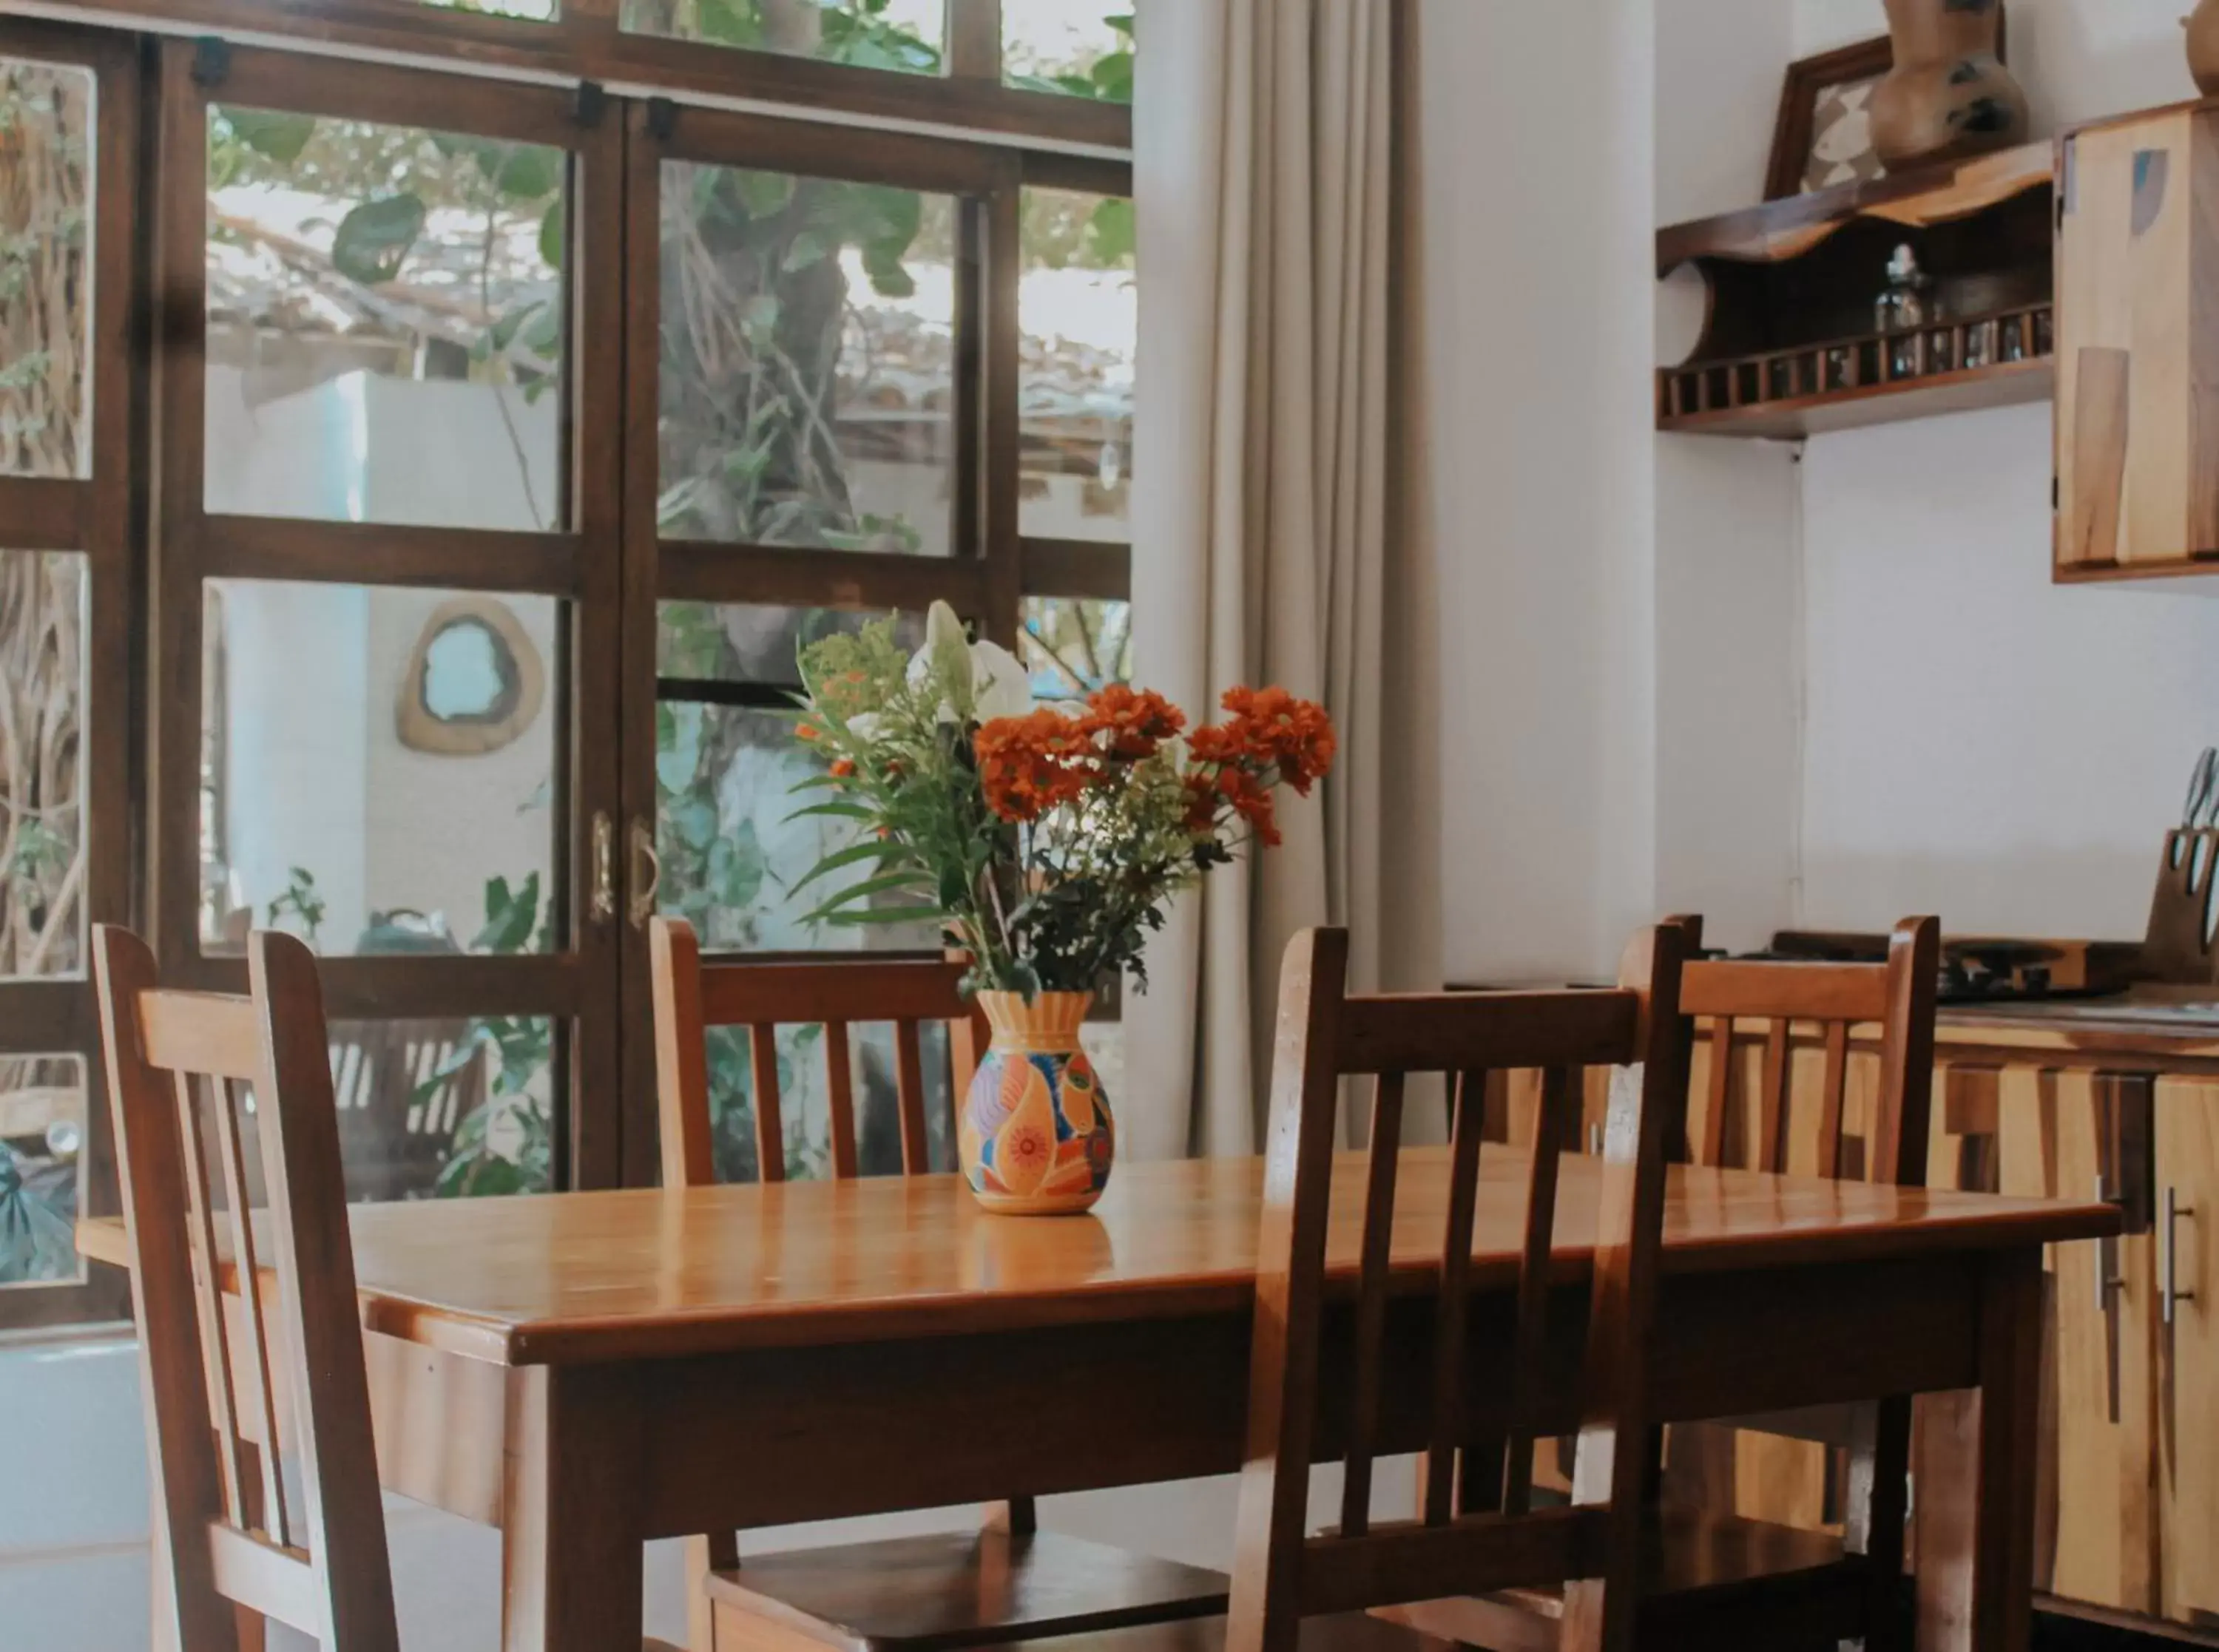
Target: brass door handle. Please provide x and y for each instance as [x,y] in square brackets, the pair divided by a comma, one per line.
[645,878]
[2171,1293]
[603,906]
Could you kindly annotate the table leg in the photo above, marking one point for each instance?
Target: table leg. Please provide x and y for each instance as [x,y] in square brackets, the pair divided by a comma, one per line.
[1977,1477]
[570,1555]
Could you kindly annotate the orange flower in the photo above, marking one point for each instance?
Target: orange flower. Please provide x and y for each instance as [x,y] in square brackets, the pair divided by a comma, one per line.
[1251,801]
[1029,765]
[807,731]
[842,767]
[1294,736]
[1200,804]
[1129,725]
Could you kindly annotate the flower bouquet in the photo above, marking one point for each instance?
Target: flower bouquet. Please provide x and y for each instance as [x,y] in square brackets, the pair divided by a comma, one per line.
[1046,842]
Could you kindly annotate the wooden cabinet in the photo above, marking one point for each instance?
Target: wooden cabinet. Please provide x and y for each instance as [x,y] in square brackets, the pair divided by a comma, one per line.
[2187,1262]
[2137,326]
[2057,1133]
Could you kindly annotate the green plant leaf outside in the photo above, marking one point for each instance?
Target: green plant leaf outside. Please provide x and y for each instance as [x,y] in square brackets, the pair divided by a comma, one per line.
[373,239]
[280,136]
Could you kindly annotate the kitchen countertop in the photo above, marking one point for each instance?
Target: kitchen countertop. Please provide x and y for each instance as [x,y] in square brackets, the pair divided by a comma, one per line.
[2176,1027]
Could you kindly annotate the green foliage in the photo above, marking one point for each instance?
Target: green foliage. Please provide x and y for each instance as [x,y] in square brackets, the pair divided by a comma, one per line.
[375,237]
[507,1144]
[302,899]
[853,32]
[1107,79]
[37,1244]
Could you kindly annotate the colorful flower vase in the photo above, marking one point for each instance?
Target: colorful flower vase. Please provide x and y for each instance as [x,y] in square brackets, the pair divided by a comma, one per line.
[1037,1138]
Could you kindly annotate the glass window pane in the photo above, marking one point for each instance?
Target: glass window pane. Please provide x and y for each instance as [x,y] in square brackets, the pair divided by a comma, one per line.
[42,755]
[445,1108]
[1080,47]
[539,11]
[723,780]
[804,1101]
[47,114]
[1074,645]
[807,375]
[385,326]
[377,769]
[1077,306]
[42,1118]
[901,35]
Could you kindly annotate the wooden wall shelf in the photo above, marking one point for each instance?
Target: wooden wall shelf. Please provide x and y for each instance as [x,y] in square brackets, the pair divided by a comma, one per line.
[1789,350]
[1785,395]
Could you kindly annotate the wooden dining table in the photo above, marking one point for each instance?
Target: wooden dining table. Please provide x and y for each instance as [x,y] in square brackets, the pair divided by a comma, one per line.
[587,1371]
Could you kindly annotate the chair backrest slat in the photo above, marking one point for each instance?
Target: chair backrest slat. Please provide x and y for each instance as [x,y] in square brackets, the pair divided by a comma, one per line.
[199,1212]
[770,1119]
[1896,995]
[1833,1099]
[908,1096]
[692,997]
[1772,1099]
[840,1096]
[1721,1088]
[321,1568]
[1445,1436]
[231,1103]
[1560,1098]
[1324,1035]
[1384,1157]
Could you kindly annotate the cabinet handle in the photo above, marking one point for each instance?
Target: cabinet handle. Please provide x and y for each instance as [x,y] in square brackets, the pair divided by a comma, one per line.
[604,906]
[2171,1293]
[1595,1142]
[646,873]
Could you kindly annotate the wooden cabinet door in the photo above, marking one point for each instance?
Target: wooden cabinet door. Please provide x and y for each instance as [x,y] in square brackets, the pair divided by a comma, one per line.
[2133,460]
[2055,1133]
[2188,1165]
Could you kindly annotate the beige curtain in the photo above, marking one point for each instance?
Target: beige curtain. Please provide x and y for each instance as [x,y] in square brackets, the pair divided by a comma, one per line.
[1264,174]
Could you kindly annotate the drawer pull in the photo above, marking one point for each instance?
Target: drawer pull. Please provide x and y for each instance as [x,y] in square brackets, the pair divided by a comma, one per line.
[2171,1293]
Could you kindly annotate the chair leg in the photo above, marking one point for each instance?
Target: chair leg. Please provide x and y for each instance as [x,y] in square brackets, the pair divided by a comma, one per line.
[1875,1510]
[1019,1516]
[718,1552]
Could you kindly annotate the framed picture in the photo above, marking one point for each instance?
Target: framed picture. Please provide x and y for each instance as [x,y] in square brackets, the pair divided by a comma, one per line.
[1824,136]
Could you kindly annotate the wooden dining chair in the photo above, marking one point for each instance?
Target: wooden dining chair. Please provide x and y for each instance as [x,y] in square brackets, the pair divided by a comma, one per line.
[1720,1580]
[213,1093]
[1362,1296]
[1008,1580]
[1478,1528]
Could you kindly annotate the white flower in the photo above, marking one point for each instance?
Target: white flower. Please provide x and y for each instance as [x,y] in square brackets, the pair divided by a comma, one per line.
[999,684]
[864,725]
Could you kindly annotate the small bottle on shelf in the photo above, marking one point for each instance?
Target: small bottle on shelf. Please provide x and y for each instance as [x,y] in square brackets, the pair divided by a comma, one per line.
[1900,311]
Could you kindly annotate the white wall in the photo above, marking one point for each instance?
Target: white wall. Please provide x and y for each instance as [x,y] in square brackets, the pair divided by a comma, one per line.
[1533,211]
[1982,743]
[1727,619]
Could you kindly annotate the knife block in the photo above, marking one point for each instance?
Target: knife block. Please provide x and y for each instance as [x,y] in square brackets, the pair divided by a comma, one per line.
[2177,947]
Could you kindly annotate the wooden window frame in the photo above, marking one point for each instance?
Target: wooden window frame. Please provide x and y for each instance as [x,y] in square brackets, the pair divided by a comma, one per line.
[1093,569]
[584,43]
[94,516]
[577,564]
[978,578]
[964,133]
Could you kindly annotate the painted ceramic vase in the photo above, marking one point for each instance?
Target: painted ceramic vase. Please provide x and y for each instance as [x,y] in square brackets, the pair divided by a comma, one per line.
[1949,95]
[1037,1138]
[2204,47]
